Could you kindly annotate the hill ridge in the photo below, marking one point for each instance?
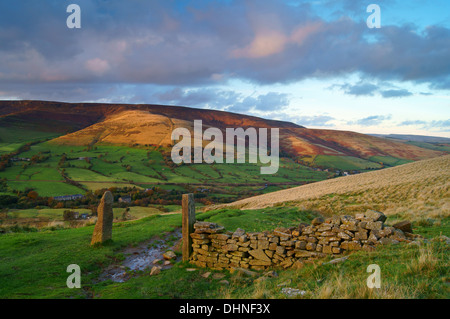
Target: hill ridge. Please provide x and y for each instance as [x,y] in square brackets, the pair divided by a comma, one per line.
[82,123]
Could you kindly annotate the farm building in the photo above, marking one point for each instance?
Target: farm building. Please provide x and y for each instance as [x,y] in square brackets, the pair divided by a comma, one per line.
[125,199]
[68,197]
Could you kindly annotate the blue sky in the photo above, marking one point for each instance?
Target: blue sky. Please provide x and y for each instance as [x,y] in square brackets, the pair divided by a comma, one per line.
[315,63]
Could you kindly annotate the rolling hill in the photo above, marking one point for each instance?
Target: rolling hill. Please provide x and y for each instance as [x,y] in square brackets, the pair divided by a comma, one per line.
[415,190]
[124,124]
[415,138]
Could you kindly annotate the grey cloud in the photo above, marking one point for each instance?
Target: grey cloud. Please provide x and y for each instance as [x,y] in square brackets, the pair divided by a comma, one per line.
[316,120]
[437,125]
[395,93]
[371,120]
[224,99]
[269,102]
[175,94]
[203,97]
[441,83]
[443,124]
[173,43]
[417,122]
[68,92]
[346,7]
[360,89]
[368,89]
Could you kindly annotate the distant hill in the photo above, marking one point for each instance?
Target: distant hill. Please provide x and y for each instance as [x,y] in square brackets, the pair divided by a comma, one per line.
[415,138]
[148,124]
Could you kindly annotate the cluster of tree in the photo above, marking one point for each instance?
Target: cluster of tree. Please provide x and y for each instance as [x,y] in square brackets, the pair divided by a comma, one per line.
[4,163]
[167,157]
[283,153]
[153,196]
[39,158]
[22,199]
[5,159]
[90,147]
[3,185]
[62,161]
[8,200]
[29,198]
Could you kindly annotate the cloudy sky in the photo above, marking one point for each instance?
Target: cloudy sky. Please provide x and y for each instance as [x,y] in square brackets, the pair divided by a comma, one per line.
[315,63]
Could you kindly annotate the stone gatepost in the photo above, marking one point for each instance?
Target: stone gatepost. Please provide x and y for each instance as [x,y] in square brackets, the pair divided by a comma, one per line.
[103,227]
[188,220]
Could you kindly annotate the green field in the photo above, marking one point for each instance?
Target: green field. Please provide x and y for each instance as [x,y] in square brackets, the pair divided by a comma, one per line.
[9,147]
[431,146]
[108,165]
[50,213]
[80,174]
[136,212]
[106,185]
[14,135]
[35,172]
[345,162]
[48,189]
[389,160]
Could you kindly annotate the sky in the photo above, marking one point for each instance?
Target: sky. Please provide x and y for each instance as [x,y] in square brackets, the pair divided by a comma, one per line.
[314,63]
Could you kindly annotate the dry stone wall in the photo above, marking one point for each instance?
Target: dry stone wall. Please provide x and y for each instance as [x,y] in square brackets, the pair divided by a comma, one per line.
[216,248]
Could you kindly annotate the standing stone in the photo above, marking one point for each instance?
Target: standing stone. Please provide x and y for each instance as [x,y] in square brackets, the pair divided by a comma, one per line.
[103,227]
[188,221]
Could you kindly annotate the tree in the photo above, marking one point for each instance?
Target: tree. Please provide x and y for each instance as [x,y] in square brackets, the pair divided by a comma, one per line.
[126,215]
[69,215]
[32,195]
[6,200]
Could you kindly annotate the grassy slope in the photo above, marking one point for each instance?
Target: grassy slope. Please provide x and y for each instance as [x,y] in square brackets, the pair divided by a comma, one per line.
[33,265]
[431,146]
[406,272]
[413,190]
[389,160]
[12,138]
[345,162]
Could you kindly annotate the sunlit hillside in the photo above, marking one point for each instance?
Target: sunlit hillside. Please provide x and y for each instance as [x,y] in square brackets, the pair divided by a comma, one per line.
[416,190]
